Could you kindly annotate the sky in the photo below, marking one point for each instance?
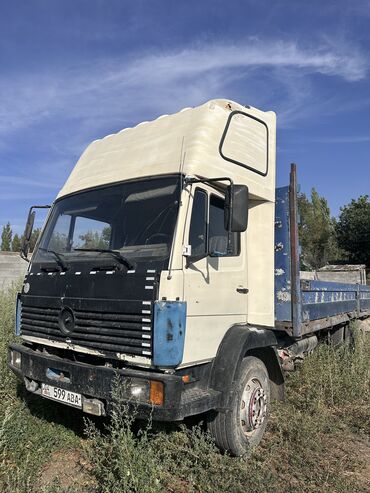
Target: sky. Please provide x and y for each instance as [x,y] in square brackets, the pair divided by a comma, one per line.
[73,71]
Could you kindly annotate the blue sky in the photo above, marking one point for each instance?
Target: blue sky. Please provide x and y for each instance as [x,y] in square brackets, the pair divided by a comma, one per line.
[72,71]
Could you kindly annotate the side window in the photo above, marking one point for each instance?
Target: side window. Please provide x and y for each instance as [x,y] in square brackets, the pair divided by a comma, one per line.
[198,224]
[217,233]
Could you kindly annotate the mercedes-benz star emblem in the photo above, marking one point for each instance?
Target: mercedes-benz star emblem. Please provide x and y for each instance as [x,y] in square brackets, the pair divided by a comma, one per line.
[66,321]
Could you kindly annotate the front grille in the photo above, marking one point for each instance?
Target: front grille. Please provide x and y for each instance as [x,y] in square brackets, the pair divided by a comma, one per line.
[129,333]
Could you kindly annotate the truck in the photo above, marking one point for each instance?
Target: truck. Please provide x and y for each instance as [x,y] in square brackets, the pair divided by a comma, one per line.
[169,265]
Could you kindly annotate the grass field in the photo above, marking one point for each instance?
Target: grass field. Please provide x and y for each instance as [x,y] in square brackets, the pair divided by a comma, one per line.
[317,441]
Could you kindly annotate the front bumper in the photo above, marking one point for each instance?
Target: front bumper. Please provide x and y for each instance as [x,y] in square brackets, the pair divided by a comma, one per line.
[96,382]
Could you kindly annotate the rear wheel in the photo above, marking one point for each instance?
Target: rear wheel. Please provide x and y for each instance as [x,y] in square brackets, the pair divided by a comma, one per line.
[336,336]
[242,427]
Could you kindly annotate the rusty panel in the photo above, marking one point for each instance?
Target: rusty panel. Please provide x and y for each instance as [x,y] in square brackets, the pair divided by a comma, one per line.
[283,304]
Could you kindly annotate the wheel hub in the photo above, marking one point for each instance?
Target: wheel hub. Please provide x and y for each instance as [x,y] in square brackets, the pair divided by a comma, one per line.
[253,406]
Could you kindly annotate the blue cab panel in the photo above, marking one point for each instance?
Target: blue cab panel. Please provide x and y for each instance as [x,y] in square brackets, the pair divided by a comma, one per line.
[169,333]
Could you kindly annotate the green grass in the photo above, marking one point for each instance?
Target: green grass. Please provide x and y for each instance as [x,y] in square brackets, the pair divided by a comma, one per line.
[318,440]
[29,434]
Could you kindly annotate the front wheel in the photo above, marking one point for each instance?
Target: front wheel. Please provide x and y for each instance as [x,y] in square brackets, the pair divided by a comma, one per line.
[242,427]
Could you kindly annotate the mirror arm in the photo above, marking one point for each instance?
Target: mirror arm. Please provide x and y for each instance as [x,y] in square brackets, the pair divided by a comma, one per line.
[191,259]
[24,256]
[40,207]
[191,179]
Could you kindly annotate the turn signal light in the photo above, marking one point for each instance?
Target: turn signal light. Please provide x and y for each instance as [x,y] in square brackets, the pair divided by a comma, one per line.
[156,393]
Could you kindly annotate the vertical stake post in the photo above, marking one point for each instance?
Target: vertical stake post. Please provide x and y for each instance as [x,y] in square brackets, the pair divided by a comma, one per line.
[294,249]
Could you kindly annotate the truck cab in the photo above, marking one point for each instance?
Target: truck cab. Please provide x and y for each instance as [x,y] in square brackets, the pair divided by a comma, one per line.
[156,264]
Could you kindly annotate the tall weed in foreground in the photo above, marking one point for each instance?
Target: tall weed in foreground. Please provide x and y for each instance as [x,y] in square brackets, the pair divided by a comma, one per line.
[26,439]
[312,442]
[7,320]
[122,461]
[335,381]
[181,461]
[308,446]
[12,477]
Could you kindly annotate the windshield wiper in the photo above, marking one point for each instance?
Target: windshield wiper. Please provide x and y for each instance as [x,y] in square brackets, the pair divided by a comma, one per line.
[59,258]
[117,255]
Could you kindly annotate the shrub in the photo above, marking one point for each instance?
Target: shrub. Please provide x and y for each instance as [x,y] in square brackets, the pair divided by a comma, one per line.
[335,381]
[303,450]
[122,461]
[27,439]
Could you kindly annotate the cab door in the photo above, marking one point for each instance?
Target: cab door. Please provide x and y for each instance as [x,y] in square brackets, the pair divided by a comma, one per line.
[215,279]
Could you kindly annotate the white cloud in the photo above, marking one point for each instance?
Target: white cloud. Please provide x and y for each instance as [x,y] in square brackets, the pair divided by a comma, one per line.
[254,53]
[50,116]
[118,91]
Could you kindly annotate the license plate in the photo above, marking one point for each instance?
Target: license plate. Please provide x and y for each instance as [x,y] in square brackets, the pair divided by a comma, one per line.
[61,395]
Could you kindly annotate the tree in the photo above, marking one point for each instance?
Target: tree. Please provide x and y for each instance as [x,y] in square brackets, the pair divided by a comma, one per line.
[106,235]
[353,230]
[95,239]
[16,244]
[34,237]
[58,242]
[316,231]
[6,238]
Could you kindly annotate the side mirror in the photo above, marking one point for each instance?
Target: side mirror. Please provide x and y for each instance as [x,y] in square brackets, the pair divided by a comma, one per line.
[236,208]
[27,234]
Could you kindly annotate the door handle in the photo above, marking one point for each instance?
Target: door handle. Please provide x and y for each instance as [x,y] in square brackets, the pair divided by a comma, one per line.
[242,290]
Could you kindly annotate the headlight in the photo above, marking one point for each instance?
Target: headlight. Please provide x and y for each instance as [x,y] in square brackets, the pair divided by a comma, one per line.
[16,359]
[140,389]
[150,391]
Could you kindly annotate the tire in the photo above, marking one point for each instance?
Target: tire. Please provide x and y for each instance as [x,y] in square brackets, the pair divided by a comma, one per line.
[336,336]
[240,429]
[349,336]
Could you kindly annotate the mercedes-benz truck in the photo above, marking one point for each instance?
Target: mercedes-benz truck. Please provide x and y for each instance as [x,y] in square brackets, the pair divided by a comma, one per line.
[169,261]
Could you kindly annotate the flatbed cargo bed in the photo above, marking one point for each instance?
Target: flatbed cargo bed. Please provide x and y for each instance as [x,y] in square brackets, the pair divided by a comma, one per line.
[304,306]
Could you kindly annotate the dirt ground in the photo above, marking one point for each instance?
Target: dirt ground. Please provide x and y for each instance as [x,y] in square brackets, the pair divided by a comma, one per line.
[66,468]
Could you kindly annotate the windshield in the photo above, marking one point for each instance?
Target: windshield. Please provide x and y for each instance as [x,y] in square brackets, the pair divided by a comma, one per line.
[136,219]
